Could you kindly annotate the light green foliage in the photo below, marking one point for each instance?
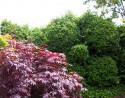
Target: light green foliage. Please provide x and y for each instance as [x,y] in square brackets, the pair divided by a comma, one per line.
[37,36]
[22,33]
[34,35]
[7,27]
[99,34]
[62,33]
[79,53]
[18,32]
[102,72]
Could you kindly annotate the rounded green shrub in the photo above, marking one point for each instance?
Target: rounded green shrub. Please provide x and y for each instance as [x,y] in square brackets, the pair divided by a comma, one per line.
[102,72]
[79,53]
[99,34]
[62,33]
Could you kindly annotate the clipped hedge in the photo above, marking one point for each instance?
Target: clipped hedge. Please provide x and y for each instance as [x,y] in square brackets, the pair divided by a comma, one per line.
[79,53]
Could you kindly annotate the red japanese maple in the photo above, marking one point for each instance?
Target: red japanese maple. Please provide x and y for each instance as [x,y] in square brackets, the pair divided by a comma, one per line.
[28,71]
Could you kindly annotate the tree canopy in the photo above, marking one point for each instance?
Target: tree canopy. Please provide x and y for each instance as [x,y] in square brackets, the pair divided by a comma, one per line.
[116,7]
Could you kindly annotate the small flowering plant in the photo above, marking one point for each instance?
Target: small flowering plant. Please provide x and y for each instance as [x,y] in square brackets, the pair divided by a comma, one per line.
[28,71]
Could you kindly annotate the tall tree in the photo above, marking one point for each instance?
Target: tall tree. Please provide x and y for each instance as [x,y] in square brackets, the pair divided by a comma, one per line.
[116,7]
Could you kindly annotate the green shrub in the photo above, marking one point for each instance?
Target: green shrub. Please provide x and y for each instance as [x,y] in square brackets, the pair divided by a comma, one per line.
[22,33]
[62,33]
[18,32]
[99,34]
[121,66]
[102,72]
[121,53]
[77,68]
[79,53]
[94,92]
[121,30]
[36,36]
[7,27]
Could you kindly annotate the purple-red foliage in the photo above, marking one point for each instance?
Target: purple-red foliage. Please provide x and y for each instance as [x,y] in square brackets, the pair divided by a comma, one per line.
[27,71]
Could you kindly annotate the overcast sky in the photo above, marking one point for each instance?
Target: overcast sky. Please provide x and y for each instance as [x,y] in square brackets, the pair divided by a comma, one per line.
[38,12]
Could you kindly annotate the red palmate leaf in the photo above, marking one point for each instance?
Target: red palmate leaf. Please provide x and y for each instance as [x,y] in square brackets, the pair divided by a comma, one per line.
[27,71]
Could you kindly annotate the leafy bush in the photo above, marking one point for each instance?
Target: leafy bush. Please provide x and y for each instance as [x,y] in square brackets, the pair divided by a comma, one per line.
[22,33]
[7,27]
[121,53]
[18,32]
[100,35]
[62,33]
[36,36]
[27,71]
[121,30]
[102,72]
[121,66]
[77,68]
[111,92]
[79,53]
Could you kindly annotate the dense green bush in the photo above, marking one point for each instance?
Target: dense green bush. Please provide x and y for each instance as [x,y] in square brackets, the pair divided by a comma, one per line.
[121,55]
[77,68]
[102,72]
[9,27]
[62,33]
[36,36]
[79,53]
[121,30]
[94,92]
[121,66]
[22,33]
[18,32]
[99,34]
